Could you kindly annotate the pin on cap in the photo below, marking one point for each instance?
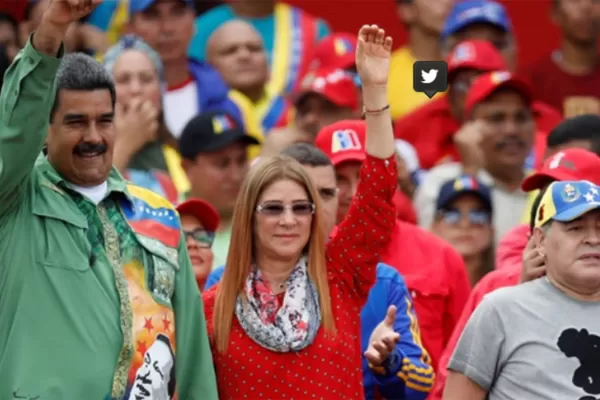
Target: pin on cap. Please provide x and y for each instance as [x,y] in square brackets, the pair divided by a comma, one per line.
[430,77]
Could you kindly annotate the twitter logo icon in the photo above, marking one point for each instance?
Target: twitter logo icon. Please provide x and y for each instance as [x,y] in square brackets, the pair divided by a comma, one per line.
[430,77]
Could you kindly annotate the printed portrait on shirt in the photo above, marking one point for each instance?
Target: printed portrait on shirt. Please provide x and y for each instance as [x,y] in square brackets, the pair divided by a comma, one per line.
[155,379]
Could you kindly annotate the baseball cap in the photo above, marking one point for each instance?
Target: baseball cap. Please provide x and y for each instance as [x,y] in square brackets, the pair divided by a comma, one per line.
[211,131]
[334,84]
[141,5]
[566,165]
[465,13]
[465,184]
[485,85]
[335,51]
[202,210]
[567,200]
[343,141]
[480,55]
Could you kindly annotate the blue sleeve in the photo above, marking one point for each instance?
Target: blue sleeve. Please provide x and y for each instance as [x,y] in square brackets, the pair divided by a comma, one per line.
[322,29]
[214,277]
[408,370]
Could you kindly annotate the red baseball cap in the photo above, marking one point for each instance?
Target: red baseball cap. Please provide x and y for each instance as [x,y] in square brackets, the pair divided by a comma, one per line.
[334,84]
[202,210]
[335,51]
[566,165]
[343,141]
[485,85]
[480,55]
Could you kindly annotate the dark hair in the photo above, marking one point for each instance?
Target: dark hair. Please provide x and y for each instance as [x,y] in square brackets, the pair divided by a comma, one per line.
[4,64]
[81,72]
[582,127]
[534,207]
[4,17]
[307,154]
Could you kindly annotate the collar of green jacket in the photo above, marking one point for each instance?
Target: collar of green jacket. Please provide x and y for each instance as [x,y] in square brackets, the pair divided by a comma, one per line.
[116,182]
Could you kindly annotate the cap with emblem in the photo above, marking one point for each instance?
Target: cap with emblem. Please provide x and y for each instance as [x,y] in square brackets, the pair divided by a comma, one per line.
[211,131]
[463,185]
[566,201]
[566,165]
[335,51]
[333,84]
[469,12]
[343,141]
[487,84]
[479,55]
[142,5]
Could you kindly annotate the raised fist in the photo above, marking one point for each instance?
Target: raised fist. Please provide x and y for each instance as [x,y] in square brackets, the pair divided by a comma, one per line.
[64,12]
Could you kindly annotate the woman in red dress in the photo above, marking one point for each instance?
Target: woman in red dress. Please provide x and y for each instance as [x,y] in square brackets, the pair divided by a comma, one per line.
[284,321]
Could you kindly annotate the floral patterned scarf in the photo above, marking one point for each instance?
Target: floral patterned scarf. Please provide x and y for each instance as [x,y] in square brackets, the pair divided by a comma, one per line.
[286,327]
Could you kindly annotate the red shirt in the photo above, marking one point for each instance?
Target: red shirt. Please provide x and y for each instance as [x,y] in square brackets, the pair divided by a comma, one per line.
[497,279]
[404,208]
[436,277]
[556,87]
[331,367]
[431,127]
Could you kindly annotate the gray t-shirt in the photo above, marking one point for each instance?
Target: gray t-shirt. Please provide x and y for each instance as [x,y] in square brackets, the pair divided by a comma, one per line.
[531,342]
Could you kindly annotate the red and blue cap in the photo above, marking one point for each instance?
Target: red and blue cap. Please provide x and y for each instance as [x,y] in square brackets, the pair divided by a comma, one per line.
[566,201]
[465,184]
[468,12]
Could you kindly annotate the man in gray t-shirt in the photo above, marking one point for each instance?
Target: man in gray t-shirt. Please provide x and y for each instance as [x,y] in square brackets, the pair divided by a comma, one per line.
[541,340]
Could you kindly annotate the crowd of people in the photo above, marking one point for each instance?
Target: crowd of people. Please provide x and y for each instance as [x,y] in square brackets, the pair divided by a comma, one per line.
[229,200]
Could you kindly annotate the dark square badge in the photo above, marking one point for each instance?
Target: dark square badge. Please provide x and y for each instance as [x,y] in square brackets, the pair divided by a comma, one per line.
[430,77]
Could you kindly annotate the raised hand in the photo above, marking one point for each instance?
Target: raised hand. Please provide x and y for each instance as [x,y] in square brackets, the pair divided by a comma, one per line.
[534,262]
[383,340]
[64,12]
[373,55]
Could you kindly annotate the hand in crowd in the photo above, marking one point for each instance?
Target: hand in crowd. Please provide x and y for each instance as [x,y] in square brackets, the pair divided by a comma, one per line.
[383,340]
[468,142]
[373,52]
[534,262]
[136,123]
[64,12]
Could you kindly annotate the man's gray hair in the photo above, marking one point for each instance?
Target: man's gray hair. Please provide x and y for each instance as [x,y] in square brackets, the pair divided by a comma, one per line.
[81,72]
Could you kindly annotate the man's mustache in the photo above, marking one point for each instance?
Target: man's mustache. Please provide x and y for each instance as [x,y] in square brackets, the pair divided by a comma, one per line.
[89,148]
[510,140]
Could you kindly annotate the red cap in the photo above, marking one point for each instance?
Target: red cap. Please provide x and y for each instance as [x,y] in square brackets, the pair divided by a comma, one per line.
[334,84]
[335,51]
[485,85]
[343,141]
[202,210]
[475,54]
[566,165]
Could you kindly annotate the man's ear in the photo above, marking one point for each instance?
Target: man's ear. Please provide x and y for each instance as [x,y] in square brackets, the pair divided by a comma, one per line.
[186,165]
[539,237]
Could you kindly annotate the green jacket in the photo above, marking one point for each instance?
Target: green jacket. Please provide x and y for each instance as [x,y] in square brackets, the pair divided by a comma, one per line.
[74,276]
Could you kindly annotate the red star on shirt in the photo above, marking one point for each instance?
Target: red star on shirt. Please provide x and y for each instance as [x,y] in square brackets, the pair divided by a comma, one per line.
[166,323]
[141,347]
[148,324]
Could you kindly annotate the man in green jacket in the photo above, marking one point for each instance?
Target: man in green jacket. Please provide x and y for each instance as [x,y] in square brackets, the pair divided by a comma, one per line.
[97,295]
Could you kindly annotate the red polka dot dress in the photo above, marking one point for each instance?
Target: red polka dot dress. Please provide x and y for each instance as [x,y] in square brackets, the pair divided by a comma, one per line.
[329,368]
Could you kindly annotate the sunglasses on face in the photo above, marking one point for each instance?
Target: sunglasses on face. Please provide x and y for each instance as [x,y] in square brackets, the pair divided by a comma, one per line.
[475,217]
[277,209]
[201,236]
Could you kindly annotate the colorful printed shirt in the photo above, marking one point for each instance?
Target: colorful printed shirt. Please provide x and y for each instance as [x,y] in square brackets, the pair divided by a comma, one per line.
[97,301]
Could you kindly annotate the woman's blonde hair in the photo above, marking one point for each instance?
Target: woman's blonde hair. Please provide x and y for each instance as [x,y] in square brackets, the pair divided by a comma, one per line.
[241,248]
